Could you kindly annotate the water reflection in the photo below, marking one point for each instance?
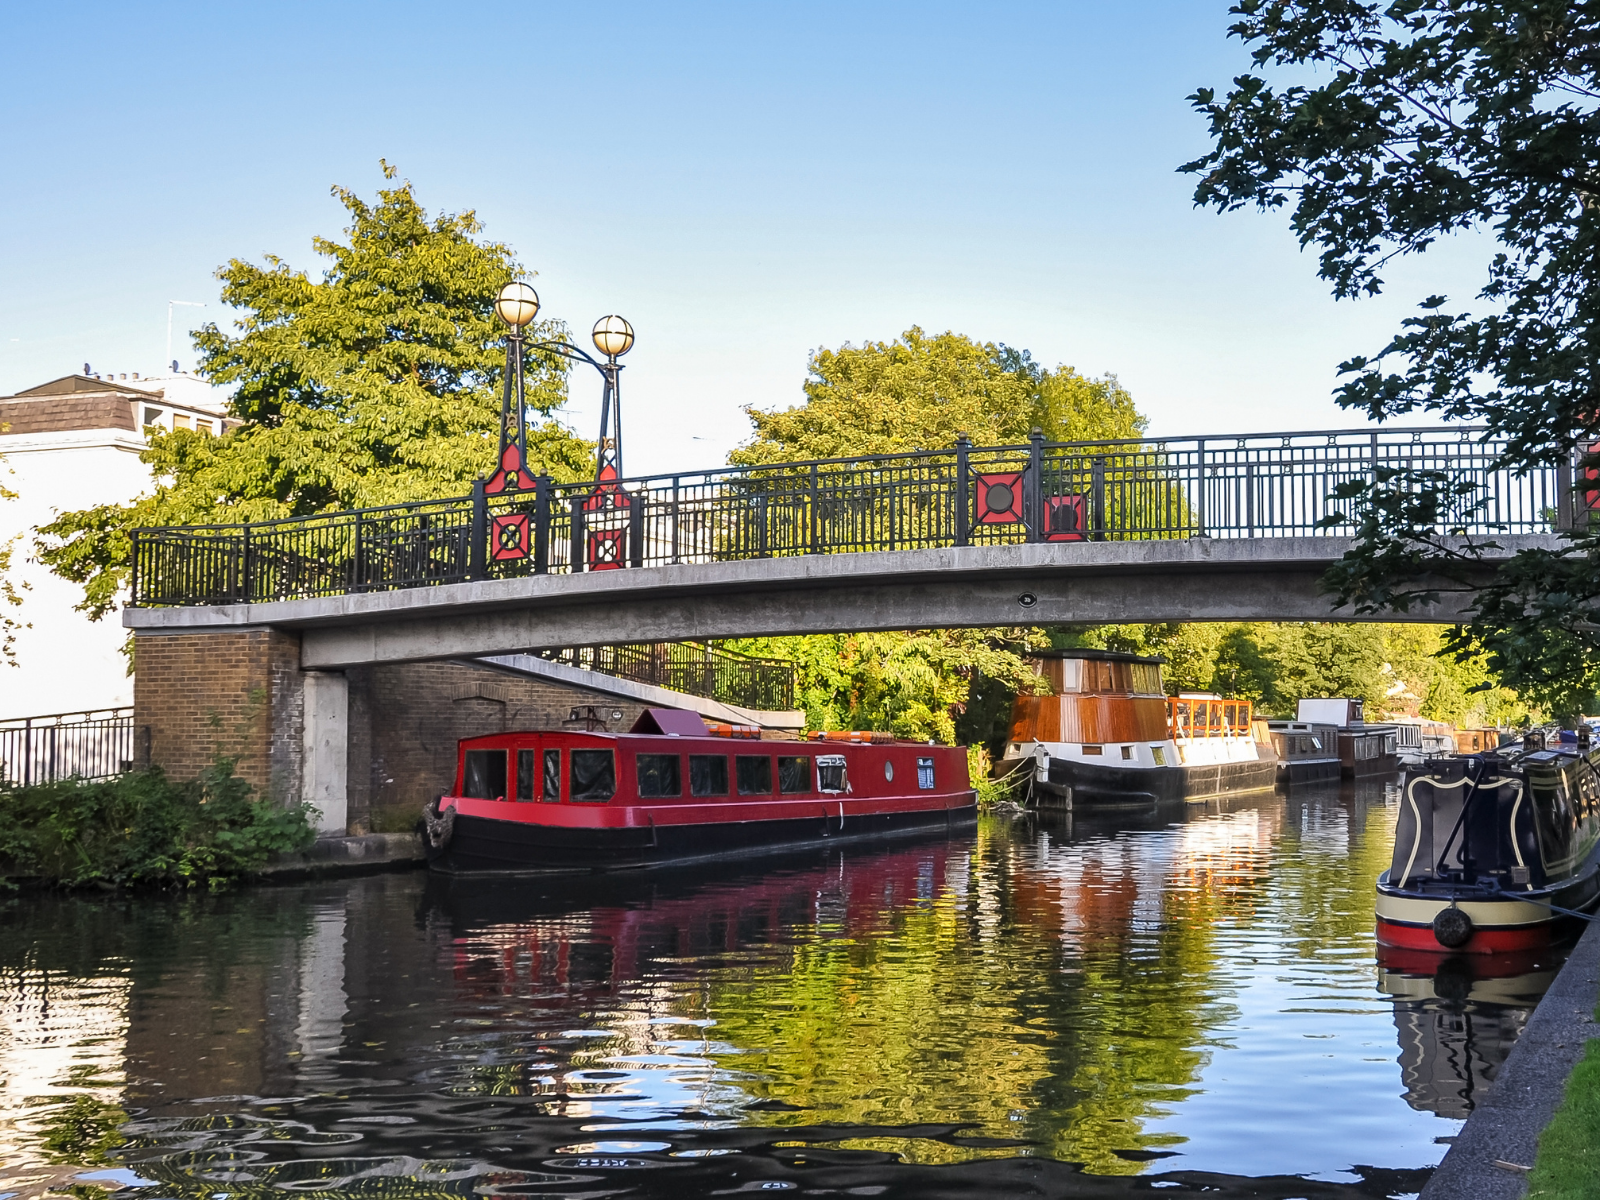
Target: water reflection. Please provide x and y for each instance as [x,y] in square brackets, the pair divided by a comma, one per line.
[1071,1005]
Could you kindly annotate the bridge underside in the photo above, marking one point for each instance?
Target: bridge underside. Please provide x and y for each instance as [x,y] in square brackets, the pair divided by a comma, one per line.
[1200,579]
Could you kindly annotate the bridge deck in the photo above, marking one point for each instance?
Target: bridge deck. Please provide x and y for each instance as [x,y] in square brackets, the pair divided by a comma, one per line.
[1192,579]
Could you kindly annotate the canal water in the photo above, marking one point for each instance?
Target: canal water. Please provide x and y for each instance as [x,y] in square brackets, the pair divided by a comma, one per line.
[1086,1006]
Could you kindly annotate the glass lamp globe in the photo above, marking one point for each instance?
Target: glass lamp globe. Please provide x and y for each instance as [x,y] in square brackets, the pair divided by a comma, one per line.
[613,336]
[517,304]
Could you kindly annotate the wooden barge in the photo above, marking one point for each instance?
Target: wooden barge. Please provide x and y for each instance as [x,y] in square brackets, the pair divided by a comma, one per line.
[1108,734]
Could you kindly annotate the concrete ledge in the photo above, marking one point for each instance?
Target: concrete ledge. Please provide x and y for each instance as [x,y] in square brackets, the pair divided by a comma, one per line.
[1506,1124]
[349,856]
[1195,579]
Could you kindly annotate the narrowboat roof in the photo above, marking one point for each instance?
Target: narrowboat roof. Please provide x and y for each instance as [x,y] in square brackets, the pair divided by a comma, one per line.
[1096,655]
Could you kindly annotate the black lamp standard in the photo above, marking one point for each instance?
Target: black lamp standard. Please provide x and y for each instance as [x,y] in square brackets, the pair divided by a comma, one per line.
[517,305]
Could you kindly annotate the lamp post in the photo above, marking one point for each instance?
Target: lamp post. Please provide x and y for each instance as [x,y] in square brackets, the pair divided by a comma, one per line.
[517,305]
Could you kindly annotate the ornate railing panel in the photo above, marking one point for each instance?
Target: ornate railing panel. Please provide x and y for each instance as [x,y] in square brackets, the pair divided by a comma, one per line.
[1257,485]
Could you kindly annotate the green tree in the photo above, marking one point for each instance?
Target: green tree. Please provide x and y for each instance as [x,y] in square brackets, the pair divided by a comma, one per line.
[375,384]
[919,392]
[1398,123]
[10,590]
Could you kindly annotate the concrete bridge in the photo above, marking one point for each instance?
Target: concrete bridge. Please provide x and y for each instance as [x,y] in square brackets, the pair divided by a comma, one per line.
[261,641]
[1196,579]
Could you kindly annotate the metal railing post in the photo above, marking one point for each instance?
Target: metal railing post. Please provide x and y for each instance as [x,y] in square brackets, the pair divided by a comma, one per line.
[477,552]
[541,524]
[813,541]
[244,581]
[1200,491]
[1097,497]
[677,549]
[1033,489]
[636,529]
[960,503]
[577,534]
[358,560]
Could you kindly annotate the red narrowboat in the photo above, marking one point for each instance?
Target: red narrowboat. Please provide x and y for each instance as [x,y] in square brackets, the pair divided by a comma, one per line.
[673,790]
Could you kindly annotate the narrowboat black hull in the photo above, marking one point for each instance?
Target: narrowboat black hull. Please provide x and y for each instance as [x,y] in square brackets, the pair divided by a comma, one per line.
[1091,784]
[1309,770]
[1493,852]
[485,844]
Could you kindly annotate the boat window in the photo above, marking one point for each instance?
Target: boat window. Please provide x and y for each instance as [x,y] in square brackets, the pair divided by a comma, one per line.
[708,774]
[552,775]
[830,773]
[659,776]
[525,773]
[794,775]
[888,770]
[925,773]
[1089,750]
[485,775]
[592,775]
[755,775]
[1127,752]
[1159,753]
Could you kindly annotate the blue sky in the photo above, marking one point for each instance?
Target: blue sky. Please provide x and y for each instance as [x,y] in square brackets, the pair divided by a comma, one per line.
[744,182]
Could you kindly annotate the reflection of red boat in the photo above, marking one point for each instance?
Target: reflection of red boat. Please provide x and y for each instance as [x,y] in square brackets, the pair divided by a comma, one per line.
[588,950]
[672,791]
[1489,848]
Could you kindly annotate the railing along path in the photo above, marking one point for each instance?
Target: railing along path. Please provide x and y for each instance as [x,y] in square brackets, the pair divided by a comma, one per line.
[1252,486]
[86,745]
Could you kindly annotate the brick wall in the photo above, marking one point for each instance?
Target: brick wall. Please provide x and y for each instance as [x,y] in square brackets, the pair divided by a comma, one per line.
[405,721]
[235,693]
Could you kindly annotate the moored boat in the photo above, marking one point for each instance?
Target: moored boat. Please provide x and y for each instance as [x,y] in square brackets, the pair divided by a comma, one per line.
[1108,734]
[673,790]
[1363,749]
[1491,848]
[1307,752]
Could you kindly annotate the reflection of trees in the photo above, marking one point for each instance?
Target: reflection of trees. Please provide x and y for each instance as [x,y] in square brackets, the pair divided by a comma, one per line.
[1063,1002]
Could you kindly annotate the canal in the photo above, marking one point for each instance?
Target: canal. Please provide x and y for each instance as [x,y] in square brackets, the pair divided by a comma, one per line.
[1094,1006]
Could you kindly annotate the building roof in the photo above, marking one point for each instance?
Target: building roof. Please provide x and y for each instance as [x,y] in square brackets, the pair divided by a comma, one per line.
[82,402]
[69,384]
[1096,655]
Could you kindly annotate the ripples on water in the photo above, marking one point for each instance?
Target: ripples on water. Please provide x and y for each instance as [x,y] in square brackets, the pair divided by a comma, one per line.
[1097,1008]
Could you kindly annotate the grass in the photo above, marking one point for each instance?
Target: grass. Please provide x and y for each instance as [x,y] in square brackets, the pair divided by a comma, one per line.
[142,828]
[1568,1166]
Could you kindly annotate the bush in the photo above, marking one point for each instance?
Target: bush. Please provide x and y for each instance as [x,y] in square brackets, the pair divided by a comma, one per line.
[142,828]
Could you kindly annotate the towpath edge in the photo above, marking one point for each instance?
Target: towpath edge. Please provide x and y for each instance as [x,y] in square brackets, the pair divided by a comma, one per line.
[1505,1126]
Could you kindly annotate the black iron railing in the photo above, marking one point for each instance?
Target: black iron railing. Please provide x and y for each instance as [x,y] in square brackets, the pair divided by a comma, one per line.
[1258,485]
[692,668]
[89,745]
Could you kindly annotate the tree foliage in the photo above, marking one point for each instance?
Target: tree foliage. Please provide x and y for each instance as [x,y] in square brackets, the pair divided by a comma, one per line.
[10,590]
[1397,670]
[919,392]
[142,828]
[1392,125]
[377,383]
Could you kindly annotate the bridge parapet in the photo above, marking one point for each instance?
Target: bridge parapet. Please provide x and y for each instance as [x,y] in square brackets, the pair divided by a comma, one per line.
[1237,486]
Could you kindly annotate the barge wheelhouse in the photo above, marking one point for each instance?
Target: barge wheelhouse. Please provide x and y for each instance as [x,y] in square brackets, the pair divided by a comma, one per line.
[674,790]
[1489,848]
[1108,734]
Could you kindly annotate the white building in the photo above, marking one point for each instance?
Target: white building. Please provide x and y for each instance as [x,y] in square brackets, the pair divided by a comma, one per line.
[70,444]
